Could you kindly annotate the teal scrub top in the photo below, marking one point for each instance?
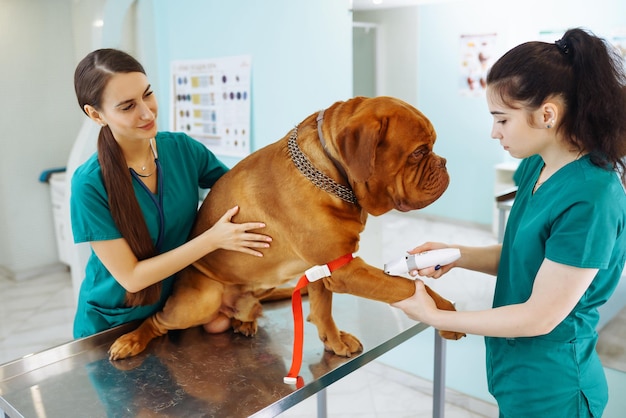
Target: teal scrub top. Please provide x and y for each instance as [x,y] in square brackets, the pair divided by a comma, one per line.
[578,218]
[186,166]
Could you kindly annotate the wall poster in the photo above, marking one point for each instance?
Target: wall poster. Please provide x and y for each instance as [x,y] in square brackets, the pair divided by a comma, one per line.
[477,56]
[211,102]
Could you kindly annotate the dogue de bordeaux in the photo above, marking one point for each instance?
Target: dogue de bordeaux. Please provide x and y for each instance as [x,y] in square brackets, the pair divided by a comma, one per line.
[313,189]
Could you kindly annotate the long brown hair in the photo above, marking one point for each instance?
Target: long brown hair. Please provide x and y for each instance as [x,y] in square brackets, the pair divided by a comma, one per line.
[90,79]
[588,74]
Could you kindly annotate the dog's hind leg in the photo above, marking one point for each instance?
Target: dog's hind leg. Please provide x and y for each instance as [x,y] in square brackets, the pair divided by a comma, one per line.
[194,302]
[245,311]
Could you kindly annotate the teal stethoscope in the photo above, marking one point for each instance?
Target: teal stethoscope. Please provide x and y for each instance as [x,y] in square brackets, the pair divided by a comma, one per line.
[157,203]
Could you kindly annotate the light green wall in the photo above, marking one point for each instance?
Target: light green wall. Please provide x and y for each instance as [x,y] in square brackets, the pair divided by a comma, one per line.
[301,54]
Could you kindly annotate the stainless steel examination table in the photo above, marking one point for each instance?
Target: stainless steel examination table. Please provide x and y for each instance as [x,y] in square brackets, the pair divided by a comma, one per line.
[191,373]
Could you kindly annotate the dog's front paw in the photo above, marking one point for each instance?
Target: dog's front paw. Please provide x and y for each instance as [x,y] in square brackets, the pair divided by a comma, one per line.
[451,335]
[246,328]
[346,345]
[127,345]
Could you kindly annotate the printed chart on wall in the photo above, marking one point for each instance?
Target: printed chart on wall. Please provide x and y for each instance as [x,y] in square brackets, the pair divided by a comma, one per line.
[211,103]
[477,56]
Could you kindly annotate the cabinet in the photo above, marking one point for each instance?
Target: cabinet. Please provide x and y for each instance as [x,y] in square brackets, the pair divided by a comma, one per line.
[503,182]
[60,218]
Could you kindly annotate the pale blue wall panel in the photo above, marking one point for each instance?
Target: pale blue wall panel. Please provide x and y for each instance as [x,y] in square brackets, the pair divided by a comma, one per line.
[301,54]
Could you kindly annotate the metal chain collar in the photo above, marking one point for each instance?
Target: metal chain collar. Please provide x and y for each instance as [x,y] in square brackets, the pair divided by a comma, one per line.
[318,178]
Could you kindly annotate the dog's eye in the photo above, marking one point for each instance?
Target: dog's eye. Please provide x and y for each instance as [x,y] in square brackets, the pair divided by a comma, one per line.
[419,153]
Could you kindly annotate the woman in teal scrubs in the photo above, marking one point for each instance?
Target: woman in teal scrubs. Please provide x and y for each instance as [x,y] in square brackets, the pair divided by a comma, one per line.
[561,108]
[135,200]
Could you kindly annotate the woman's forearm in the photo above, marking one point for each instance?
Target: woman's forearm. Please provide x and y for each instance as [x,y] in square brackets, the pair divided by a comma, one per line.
[481,259]
[135,275]
[507,322]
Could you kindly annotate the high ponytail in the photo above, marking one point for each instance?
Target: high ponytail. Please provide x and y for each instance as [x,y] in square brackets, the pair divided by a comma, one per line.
[588,75]
[599,121]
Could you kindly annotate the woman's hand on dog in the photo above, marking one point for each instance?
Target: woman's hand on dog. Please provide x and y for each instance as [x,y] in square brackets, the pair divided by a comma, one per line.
[232,236]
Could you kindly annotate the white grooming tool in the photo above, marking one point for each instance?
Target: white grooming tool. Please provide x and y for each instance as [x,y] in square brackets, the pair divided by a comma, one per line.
[422,260]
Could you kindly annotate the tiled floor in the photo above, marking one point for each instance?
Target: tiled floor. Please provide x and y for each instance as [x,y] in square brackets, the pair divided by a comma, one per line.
[379,391]
[37,313]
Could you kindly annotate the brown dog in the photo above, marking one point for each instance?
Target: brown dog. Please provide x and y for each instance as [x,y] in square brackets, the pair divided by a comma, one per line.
[314,190]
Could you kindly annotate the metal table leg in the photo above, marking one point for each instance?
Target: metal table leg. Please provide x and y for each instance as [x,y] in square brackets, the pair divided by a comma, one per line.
[321,404]
[439,377]
[504,207]
[501,223]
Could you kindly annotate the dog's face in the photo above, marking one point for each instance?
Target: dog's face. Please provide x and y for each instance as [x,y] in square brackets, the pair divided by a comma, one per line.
[386,146]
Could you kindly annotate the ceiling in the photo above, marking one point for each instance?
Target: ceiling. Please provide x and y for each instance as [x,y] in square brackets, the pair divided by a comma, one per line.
[386,4]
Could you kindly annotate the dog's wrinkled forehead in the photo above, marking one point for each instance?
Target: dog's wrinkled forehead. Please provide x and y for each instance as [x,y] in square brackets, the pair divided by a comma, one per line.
[404,119]
[398,112]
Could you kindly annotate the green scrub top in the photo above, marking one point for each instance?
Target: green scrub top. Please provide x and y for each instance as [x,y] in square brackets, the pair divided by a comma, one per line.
[577,217]
[186,166]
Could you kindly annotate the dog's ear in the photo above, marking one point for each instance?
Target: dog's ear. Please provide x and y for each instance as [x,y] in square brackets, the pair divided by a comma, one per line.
[357,143]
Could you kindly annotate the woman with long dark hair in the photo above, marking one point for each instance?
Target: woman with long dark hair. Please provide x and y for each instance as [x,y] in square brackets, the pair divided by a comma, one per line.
[136,199]
[561,108]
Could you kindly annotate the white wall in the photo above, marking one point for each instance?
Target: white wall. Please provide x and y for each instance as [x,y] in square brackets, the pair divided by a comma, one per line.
[39,120]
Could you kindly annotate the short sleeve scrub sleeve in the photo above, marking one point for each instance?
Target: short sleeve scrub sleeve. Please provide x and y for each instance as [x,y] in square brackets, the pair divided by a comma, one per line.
[575,218]
[186,165]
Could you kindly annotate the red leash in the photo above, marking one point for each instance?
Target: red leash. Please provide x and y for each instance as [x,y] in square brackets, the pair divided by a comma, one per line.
[311,275]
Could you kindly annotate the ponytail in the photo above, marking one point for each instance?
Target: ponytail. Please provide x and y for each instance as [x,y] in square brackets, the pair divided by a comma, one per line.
[588,75]
[125,211]
[598,107]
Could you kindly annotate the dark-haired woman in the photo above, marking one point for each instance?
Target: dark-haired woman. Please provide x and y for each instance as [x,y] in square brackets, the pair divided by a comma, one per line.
[135,200]
[561,108]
